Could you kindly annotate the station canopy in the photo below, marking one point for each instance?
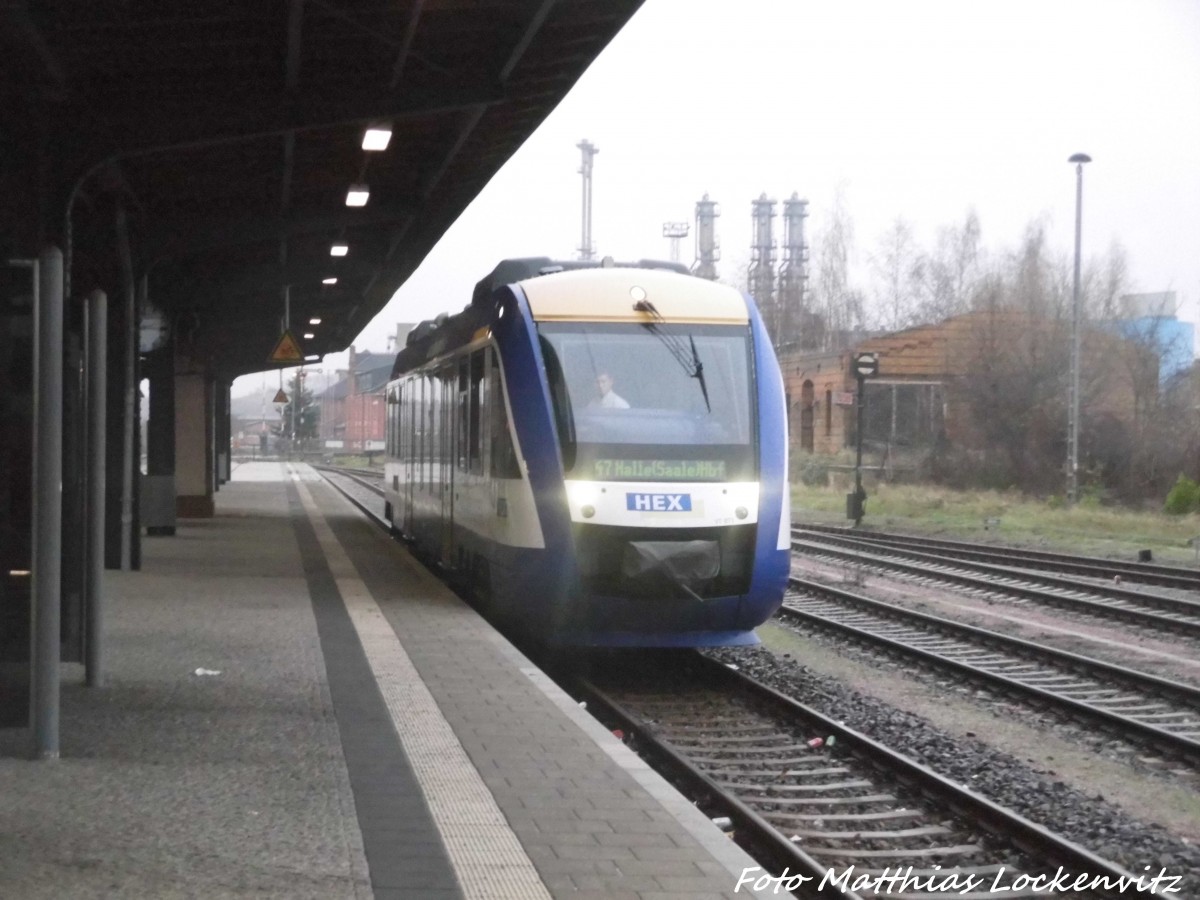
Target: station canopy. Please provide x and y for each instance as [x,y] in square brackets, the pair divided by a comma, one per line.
[226,136]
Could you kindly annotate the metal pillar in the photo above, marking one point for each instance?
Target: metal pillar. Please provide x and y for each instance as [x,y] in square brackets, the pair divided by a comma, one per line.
[47,494]
[97,390]
[589,151]
[129,464]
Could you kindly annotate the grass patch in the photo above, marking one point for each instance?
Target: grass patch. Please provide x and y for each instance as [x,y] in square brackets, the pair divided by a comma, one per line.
[1006,517]
[354,462]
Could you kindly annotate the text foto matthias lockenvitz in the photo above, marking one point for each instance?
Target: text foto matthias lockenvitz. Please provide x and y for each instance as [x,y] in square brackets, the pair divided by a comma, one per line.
[903,879]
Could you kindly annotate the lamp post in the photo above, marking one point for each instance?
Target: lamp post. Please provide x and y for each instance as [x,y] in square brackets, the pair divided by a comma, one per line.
[1073,410]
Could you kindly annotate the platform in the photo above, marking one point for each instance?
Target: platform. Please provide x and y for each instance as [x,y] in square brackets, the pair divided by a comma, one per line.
[295,708]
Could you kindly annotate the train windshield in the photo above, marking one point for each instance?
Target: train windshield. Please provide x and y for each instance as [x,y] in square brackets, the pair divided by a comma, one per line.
[660,402]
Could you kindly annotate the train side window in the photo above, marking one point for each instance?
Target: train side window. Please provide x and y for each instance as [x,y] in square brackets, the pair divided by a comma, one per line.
[392,393]
[475,431]
[444,387]
[449,435]
[410,422]
[402,422]
[418,420]
[504,457]
[560,400]
[461,407]
[431,436]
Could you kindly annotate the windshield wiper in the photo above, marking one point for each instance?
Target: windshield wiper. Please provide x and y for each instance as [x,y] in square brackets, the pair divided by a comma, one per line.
[690,364]
[699,373]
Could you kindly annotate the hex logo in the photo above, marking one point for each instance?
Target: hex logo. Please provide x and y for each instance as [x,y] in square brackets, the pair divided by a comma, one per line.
[659,502]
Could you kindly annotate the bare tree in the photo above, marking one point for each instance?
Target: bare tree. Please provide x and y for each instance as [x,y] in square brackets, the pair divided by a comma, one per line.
[737,272]
[952,271]
[1155,440]
[898,269]
[839,305]
[1109,284]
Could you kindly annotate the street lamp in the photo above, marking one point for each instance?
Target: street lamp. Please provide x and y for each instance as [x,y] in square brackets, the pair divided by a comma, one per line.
[1073,412]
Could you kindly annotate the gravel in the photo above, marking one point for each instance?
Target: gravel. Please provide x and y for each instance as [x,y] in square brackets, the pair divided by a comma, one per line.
[1086,820]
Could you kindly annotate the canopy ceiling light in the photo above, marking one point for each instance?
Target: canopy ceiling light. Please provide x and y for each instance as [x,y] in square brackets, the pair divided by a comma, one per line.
[357,195]
[339,250]
[377,137]
[328,281]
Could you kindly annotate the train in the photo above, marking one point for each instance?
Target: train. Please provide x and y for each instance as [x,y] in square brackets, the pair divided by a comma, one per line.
[597,451]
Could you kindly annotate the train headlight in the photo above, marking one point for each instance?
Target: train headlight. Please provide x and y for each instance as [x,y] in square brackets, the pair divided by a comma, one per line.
[741,512]
[583,496]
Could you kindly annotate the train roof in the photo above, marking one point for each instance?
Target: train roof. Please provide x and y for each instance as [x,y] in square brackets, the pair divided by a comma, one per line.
[510,271]
[633,295]
[582,290]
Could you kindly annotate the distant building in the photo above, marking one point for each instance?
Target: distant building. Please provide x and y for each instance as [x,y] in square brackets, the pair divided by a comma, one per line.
[1149,319]
[353,408]
[928,373]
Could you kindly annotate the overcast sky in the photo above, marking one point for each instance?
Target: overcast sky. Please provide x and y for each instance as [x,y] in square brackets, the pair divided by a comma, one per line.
[921,110]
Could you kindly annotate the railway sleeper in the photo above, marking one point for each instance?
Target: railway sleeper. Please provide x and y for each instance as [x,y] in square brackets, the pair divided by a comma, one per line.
[902,834]
[890,815]
[957,850]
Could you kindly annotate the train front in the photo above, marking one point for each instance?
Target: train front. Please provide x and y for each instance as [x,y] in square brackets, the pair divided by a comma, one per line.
[669,412]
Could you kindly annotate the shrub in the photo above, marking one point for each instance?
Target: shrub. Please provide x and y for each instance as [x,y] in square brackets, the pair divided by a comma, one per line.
[1183,498]
[813,472]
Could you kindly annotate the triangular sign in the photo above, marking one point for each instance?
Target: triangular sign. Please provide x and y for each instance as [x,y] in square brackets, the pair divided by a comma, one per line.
[280,397]
[287,350]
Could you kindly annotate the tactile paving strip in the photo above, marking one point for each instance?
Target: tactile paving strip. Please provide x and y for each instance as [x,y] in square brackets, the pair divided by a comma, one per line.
[487,857]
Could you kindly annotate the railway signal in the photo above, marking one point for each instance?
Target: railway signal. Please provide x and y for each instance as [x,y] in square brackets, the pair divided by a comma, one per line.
[865,365]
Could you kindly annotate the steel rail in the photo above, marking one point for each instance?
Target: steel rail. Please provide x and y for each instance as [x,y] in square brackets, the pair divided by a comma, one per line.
[1178,744]
[1006,826]
[1178,577]
[1185,615]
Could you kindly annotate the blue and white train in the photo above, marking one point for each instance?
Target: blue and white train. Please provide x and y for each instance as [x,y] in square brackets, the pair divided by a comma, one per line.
[599,451]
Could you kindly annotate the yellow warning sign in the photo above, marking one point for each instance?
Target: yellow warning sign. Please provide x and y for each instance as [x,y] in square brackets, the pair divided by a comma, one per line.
[287,350]
[280,397]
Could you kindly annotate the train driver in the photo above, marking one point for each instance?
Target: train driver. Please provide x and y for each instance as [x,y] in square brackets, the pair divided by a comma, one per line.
[608,398]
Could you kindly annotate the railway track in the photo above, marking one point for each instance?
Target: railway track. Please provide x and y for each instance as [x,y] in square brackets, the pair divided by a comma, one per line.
[360,492]
[1139,707]
[848,818]
[1178,577]
[827,807]
[1171,614]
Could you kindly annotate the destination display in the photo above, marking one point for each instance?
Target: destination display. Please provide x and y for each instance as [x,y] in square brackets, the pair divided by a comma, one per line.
[658,469]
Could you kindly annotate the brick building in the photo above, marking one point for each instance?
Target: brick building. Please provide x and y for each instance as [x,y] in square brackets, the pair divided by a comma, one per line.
[352,408]
[931,378]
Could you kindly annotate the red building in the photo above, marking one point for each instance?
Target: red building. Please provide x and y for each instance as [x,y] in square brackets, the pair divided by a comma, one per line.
[353,411]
